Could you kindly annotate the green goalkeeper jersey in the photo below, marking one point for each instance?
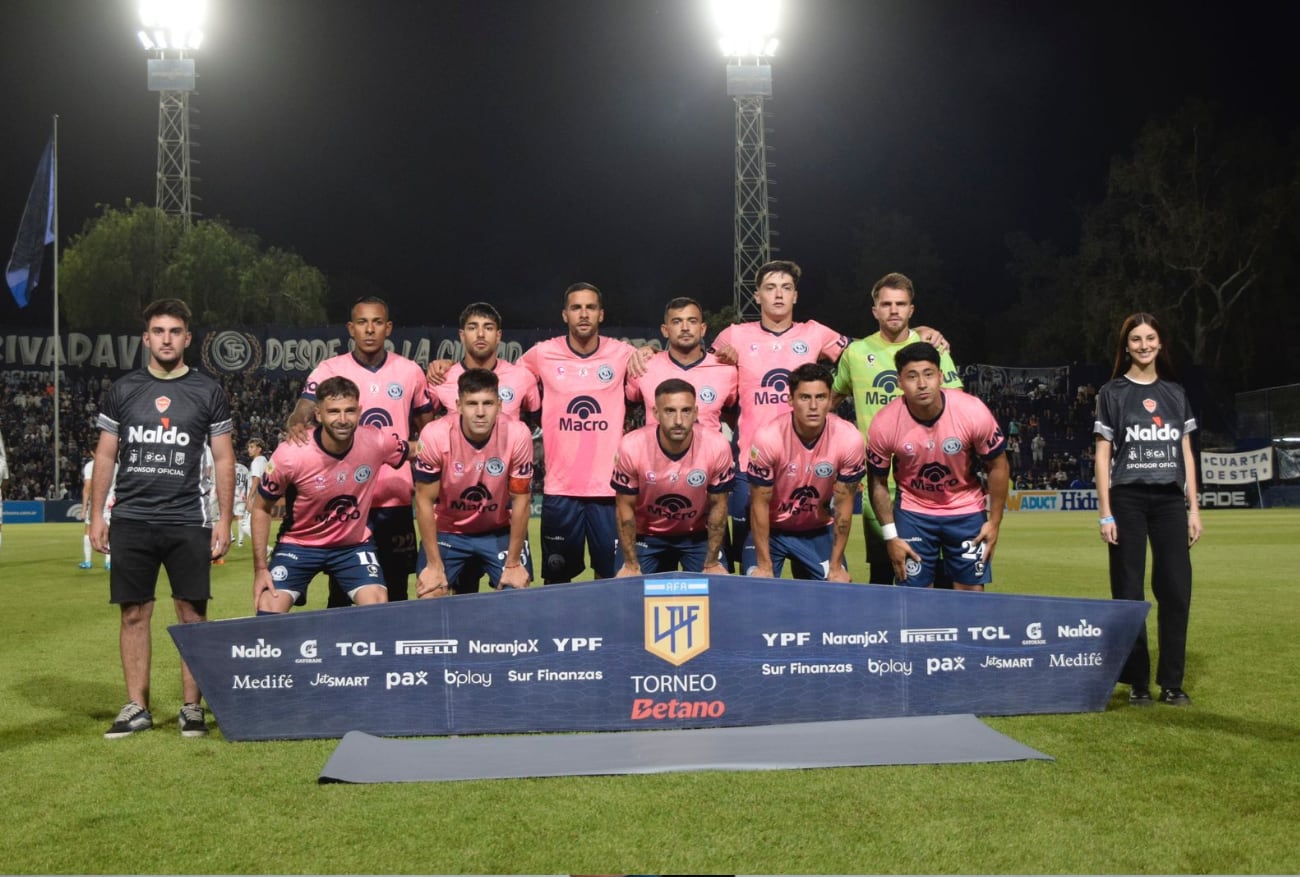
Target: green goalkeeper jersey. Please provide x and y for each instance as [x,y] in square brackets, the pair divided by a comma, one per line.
[866,372]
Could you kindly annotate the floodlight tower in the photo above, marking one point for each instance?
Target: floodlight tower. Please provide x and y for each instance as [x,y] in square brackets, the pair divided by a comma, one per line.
[173,30]
[748,40]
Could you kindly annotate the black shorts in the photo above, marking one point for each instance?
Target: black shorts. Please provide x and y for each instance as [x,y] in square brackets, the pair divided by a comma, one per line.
[392,529]
[140,549]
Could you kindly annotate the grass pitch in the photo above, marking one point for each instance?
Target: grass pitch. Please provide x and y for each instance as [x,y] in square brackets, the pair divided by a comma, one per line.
[1210,789]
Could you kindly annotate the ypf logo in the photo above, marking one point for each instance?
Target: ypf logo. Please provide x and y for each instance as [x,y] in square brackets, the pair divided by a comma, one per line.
[231,351]
[677,619]
[886,382]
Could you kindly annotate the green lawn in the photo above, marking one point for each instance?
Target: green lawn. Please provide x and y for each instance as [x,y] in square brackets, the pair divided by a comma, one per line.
[1214,788]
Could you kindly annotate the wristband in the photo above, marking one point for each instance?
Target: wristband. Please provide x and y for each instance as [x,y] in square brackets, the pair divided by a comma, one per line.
[1109,519]
[889,531]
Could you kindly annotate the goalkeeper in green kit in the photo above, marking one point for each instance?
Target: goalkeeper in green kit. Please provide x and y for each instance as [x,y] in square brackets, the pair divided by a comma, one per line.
[866,372]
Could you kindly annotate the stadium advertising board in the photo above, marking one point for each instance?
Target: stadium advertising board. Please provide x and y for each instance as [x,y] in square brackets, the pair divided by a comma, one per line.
[662,651]
[1236,468]
[275,349]
[1052,501]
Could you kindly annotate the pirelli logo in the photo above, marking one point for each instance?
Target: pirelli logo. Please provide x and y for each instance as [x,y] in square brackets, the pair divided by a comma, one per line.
[677,619]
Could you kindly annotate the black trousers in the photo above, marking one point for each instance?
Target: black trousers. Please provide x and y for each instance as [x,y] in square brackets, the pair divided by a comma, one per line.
[1157,513]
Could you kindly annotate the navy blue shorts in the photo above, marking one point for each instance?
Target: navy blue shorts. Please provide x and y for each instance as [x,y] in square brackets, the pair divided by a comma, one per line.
[353,566]
[466,557]
[955,534]
[809,552]
[572,525]
[668,553]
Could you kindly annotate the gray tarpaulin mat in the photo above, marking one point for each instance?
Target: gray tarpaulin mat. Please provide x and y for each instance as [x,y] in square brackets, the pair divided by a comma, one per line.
[364,758]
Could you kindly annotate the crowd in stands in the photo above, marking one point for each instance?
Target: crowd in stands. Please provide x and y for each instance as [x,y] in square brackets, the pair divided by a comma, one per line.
[1049,429]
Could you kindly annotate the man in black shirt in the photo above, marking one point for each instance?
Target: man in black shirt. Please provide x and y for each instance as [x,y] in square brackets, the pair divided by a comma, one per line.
[153,424]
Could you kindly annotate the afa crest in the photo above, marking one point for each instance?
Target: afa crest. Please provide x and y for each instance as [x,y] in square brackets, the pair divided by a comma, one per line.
[677,619]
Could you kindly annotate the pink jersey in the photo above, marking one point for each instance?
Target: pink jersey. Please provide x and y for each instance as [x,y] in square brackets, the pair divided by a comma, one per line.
[672,493]
[803,477]
[474,495]
[932,459]
[582,413]
[765,360]
[714,382]
[391,395]
[328,497]
[518,389]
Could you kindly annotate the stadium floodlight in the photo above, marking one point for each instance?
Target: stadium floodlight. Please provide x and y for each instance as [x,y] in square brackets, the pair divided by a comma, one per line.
[747,28]
[176,24]
[171,30]
[748,38]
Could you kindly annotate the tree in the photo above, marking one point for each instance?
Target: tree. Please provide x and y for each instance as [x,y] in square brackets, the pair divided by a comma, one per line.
[1191,222]
[125,258]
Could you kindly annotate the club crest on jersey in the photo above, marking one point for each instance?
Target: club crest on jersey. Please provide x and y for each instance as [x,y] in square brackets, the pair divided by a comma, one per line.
[394,391]
[952,446]
[696,477]
[605,374]
[823,470]
[162,403]
[495,466]
[506,394]
[363,474]
[799,347]
[1148,404]
[708,395]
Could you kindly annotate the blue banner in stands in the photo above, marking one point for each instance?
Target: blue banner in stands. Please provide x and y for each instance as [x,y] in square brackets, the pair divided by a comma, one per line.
[662,651]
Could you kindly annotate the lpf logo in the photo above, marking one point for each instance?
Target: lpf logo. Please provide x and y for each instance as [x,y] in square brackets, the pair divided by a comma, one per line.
[677,619]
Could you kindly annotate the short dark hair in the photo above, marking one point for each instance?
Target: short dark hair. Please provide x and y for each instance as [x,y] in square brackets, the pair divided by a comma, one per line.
[777,266]
[894,280]
[581,287]
[369,300]
[917,351]
[167,307]
[682,301]
[810,372]
[480,309]
[476,380]
[673,385]
[255,440]
[337,386]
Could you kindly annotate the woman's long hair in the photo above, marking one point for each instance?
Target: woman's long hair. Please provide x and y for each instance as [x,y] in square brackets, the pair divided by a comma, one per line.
[1164,364]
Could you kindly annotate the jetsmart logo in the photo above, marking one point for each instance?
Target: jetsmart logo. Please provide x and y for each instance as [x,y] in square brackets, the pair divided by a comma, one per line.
[581,411]
[158,435]
[263,649]
[928,635]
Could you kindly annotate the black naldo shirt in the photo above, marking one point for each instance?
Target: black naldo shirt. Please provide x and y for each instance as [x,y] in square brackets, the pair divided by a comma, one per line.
[1146,424]
[161,428]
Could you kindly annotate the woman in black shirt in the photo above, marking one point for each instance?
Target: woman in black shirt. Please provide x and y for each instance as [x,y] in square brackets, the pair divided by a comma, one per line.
[1146,490]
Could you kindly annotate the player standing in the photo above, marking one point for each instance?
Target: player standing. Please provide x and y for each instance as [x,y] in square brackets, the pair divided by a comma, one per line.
[672,482]
[480,337]
[686,359]
[582,376]
[394,398]
[256,472]
[765,353]
[866,372]
[931,438]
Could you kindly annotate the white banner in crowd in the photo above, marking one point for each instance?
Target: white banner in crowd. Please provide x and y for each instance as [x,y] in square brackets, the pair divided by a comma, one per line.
[1237,468]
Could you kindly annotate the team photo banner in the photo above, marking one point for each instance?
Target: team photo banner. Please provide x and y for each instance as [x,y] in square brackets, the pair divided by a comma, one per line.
[1237,468]
[662,651]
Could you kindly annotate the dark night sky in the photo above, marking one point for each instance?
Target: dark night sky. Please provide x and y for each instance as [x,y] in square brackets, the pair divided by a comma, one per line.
[501,149]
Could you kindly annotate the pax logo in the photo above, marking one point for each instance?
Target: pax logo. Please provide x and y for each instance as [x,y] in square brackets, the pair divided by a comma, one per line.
[409,679]
[944,665]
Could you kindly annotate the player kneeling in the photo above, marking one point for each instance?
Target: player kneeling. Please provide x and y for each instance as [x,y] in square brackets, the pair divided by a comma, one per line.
[327,484]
